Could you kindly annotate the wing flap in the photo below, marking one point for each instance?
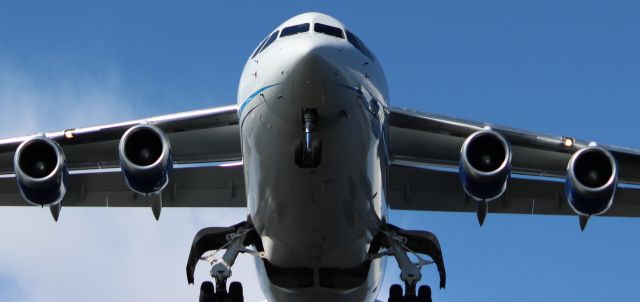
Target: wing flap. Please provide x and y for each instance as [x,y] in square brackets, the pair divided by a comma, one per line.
[191,186]
[438,188]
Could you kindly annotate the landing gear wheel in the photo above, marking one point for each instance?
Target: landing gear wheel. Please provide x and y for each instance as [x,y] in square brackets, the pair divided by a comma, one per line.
[395,293]
[207,292]
[316,152]
[235,292]
[308,157]
[424,294]
[298,152]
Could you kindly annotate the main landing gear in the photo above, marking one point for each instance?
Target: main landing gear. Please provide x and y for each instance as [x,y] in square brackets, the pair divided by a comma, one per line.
[208,294]
[399,243]
[395,294]
[234,240]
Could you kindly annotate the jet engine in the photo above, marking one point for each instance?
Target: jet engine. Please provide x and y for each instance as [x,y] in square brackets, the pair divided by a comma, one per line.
[41,171]
[145,159]
[592,178]
[485,165]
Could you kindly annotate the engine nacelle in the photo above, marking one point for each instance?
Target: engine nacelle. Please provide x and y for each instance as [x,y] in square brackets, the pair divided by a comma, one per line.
[145,159]
[485,165]
[41,171]
[592,179]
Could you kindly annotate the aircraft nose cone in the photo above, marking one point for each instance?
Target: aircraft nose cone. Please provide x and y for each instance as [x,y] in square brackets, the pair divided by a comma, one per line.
[310,77]
[312,66]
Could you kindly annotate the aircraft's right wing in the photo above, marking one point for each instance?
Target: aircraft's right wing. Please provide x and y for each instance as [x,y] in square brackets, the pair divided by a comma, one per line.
[205,146]
[425,155]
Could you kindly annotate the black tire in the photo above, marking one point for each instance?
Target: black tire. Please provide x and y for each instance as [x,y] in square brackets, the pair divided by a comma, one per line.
[395,293]
[236,292]
[297,153]
[207,292]
[424,293]
[316,156]
[308,158]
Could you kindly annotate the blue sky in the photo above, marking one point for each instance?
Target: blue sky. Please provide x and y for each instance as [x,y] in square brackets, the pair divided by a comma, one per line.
[565,68]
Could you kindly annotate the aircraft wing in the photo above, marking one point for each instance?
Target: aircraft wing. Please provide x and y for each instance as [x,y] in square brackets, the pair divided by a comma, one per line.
[205,147]
[424,175]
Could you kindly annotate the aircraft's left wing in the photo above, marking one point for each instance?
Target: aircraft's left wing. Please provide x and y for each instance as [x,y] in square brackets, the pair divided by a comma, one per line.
[424,174]
[206,151]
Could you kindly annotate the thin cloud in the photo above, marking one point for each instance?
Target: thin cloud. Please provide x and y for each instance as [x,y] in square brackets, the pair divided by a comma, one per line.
[37,102]
[11,291]
[94,254]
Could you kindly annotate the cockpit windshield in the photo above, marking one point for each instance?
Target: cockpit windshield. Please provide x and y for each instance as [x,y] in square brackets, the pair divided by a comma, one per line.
[328,30]
[295,29]
[319,28]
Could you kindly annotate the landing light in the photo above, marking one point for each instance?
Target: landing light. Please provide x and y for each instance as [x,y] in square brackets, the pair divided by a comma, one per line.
[68,134]
[568,142]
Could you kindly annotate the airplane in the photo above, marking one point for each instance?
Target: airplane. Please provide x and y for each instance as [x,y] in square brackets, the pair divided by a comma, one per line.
[318,157]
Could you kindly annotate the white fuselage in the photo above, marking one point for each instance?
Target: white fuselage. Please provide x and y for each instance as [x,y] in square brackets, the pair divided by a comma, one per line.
[323,218]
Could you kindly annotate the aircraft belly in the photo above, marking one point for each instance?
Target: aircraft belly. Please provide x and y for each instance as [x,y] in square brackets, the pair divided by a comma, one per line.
[366,292]
[322,216]
[326,216]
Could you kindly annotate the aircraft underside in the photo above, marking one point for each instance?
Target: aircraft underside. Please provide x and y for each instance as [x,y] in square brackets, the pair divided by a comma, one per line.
[315,164]
[359,283]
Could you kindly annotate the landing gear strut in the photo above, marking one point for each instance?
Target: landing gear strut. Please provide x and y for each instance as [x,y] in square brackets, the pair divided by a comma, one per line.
[308,152]
[400,243]
[234,240]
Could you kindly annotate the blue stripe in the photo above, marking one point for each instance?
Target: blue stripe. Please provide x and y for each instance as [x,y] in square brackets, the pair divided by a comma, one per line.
[252,96]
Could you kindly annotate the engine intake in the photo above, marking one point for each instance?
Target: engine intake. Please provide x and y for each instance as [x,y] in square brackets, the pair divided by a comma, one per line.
[485,165]
[145,159]
[41,171]
[592,178]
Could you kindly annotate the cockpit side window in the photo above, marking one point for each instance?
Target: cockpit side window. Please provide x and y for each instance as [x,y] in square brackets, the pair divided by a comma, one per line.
[272,38]
[294,30]
[328,30]
[357,43]
[255,53]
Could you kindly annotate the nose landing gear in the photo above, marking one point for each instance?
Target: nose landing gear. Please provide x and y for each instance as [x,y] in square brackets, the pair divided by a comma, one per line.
[308,152]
